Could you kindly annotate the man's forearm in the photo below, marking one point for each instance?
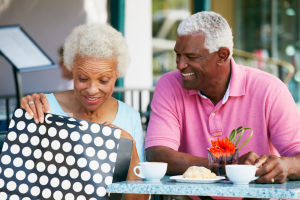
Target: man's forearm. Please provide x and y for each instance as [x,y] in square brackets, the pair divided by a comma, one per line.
[294,171]
[177,162]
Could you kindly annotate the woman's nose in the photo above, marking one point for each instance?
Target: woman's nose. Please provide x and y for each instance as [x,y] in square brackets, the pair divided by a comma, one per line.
[92,89]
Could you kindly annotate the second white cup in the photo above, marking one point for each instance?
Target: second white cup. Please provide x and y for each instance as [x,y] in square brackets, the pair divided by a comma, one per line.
[241,174]
[151,171]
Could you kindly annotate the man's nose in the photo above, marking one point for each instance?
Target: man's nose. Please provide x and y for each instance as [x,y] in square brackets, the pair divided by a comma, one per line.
[181,64]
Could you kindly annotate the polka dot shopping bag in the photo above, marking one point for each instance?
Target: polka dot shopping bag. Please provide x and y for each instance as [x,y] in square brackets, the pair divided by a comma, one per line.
[63,158]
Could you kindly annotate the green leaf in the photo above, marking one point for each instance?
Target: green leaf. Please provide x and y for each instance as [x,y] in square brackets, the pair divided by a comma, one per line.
[247,139]
[241,135]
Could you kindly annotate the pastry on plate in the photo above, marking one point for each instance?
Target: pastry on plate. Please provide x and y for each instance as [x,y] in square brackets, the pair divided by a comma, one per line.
[199,172]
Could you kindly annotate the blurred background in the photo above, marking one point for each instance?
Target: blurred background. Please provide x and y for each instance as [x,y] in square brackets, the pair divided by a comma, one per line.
[266,36]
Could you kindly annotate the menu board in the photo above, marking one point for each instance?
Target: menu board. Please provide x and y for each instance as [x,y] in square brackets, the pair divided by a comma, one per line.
[21,51]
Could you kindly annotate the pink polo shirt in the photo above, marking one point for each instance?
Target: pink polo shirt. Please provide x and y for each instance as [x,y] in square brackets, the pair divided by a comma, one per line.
[184,120]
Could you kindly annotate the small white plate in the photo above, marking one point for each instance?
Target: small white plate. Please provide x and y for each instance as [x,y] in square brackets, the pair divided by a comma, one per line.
[196,180]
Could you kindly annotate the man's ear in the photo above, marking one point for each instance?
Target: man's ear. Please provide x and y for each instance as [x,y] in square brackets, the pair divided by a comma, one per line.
[223,55]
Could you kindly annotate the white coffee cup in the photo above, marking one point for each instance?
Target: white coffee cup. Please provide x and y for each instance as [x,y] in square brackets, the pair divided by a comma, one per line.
[241,174]
[151,171]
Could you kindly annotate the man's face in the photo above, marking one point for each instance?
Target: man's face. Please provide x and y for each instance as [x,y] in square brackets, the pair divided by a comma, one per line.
[198,67]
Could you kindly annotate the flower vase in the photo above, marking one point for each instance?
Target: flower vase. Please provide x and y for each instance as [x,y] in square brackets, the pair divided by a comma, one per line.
[217,161]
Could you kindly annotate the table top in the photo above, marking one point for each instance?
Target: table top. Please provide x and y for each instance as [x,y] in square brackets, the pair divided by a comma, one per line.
[287,190]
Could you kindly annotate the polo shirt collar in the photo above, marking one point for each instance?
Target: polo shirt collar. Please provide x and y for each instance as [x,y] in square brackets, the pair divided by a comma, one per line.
[237,83]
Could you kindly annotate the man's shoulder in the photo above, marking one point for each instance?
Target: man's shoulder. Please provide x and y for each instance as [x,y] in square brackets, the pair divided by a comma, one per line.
[172,79]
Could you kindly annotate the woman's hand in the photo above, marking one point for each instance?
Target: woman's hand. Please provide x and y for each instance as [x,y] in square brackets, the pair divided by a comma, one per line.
[36,105]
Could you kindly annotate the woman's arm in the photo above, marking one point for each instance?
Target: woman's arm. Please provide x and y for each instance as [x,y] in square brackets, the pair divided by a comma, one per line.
[39,106]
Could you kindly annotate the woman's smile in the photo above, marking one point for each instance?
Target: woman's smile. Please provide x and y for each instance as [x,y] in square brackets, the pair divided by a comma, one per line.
[91,100]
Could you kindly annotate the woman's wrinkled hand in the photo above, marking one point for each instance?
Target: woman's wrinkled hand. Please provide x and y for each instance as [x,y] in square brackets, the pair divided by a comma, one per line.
[39,106]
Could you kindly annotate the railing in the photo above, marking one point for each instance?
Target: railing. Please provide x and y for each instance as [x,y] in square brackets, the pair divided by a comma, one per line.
[135,97]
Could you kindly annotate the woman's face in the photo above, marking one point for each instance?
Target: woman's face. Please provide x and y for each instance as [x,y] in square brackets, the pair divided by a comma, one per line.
[94,81]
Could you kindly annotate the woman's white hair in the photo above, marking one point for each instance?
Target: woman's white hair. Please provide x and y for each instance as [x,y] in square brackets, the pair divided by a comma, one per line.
[216,29]
[98,41]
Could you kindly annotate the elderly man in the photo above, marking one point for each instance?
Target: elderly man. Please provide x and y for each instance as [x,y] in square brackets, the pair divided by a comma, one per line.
[210,94]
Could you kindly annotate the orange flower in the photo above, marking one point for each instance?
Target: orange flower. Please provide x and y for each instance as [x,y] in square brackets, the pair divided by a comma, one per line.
[221,147]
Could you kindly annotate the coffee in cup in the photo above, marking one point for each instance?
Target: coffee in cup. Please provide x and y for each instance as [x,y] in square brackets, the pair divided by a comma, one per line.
[151,171]
[241,174]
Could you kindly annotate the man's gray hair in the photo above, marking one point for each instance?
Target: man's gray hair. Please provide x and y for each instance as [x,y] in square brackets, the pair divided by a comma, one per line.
[98,41]
[216,29]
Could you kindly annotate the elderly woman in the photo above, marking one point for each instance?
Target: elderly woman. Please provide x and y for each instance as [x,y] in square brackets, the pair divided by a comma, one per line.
[97,55]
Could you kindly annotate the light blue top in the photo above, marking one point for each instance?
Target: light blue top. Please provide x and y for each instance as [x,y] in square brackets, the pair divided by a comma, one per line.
[127,118]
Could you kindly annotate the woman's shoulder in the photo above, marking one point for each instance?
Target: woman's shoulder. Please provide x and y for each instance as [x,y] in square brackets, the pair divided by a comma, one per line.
[125,109]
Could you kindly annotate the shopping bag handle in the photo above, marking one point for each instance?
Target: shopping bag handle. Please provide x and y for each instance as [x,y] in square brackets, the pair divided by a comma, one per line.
[63,120]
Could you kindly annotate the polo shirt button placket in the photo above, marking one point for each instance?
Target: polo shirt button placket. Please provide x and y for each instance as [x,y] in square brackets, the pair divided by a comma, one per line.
[213,114]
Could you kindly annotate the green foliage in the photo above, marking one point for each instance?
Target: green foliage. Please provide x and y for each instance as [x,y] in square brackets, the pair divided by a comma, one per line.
[235,132]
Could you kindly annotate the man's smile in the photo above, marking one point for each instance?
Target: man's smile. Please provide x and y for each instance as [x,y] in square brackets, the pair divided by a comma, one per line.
[187,74]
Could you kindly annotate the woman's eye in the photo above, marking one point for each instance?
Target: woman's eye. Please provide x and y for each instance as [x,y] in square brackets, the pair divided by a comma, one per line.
[103,82]
[82,79]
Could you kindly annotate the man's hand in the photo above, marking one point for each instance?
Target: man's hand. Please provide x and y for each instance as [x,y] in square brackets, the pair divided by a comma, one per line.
[38,107]
[248,158]
[272,169]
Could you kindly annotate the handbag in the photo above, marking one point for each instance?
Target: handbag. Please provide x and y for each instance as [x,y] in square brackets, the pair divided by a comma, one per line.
[63,158]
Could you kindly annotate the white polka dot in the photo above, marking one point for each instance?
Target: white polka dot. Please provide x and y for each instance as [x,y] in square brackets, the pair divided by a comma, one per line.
[29,117]
[15,149]
[105,167]
[14,197]
[0,170]
[2,183]
[23,138]
[51,169]
[117,133]
[98,141]
[46,193]
[3,195]
[94,165]
[26,198]
[67,147]
[59,158]
[63,171]
[95,128]
[52,132]
[31,127]
[32,178]
[45,143]
[70,196]
[87,138]
[89,189]
[63,134]
[78,149]
[18,162]
[35,191]
[46,119]
[26,151]
[23,188]
[70,160]
[82,162]
[66,184]
[92,199]
[5,159]
[44,180]
[42,129]
[20,175]
[85,175]
[35,140]
[11,185]
[12,123]
[8,173]
[110,144]
[106,131]
[40,166]
[75,136]
[81,198]
[12,136]
[102,154]
[54,182]
[90,151]
[5,147]
[113,157]
[18,113]
[48,156]
[84,126]
[71,125]
[77,187]
[21,125]
[55,145]
[101,191]
[108,180]
[37,153]
[74,173]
